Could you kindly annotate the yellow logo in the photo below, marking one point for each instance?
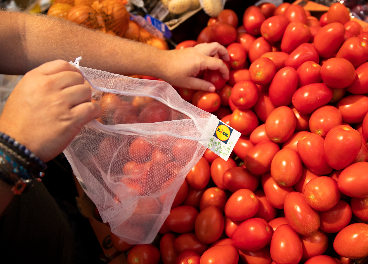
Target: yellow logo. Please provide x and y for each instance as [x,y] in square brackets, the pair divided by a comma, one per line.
[223,132]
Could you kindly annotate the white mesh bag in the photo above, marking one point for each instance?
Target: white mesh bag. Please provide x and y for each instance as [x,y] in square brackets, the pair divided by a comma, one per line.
[132,163]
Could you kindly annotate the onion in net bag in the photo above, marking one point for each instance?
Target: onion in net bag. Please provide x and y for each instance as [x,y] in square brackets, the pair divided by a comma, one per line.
[133,161]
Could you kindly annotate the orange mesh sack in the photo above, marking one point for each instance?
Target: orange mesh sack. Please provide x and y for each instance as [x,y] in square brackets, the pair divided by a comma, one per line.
[133,161]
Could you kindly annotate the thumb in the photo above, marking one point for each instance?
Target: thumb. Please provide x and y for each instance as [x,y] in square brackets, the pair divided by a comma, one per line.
[199,84]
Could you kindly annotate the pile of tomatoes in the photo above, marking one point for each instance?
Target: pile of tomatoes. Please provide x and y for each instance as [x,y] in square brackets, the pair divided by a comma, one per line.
[295,189]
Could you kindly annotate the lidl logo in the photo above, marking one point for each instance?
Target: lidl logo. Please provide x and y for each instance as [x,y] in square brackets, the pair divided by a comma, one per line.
[223,132]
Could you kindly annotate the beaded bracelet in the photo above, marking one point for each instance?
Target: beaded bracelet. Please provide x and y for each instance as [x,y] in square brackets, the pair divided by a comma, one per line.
[19,167]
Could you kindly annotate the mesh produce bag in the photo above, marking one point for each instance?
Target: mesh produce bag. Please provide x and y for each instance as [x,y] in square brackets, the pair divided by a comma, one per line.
[133,161]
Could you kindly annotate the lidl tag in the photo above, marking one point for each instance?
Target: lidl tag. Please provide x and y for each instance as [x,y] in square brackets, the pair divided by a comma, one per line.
[223,140]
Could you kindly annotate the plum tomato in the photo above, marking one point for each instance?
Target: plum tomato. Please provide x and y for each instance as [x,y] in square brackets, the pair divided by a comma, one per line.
[280,124]
[207,101]
[210,156]
[278,58]
[258,135]
[252,20]
[241,205]
[213,196]
[342,144]
[296,33]
[189,241]
[224,94]
[265,211]
[181,219]
[193,197]
[236,76]
[215,77]
[244,94]
[322,193]
[322,259]
[238,55]
[280,10]
[167,249]
[360,83]
[352,241]
[259,47]
[199,176]
[261,256]
[353,180]
[223,33]
[338,73]
[273,28]
[259,158]
[186,44]
[303,53]
[276,222]
[186,94]
[296,13]
[275,193]
[237,178]
[228,16]
[314,245]
[187,256]
[218,168]
[253,234]
[242,146]
[286,246]
[209,225]
[301,217]
[230,227]
[220,254]
[292,142]
[337,12]
[353,108]
[205,35]
[336,218]
[323,20]
[286,167]
[306,177]
[267,9]
[354,27]
[283,86]
[354,50]
[244,121]
[329,39]
[262,70]
[302,121]
[145,253]
[359,206]
[140,150]
[245,40]
[263,107]
[324,119]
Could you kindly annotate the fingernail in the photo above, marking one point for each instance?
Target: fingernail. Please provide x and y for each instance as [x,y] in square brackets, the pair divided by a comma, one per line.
[212,89]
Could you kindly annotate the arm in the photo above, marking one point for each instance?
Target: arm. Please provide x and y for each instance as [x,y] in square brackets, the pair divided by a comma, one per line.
[27,41]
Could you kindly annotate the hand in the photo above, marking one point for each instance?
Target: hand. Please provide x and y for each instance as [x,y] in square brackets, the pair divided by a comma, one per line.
[183,65]
[47,109]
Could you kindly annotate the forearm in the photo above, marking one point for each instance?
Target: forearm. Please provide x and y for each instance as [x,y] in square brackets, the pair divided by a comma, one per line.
[34,40]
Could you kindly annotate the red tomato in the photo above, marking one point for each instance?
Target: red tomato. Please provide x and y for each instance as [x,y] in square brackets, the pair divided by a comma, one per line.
[314,31]
[164,229]
[311,97]
[245,40]
[205,35]
[244,94]
[342,144]
[258,135]
[354,27]
[273,28]
[167,249]
[338,13]
[228,16]
[278,58]
[354,50]
[193,197]
[311,149]
[261,256]
[154,111]
[275,223]
[352,241]
[207,101]
[253,234]
[146,253]
[209,225]
[186,94]
[286,246]
[296,33]
[322,259]
[338,73]
[314,245]
[301,217]
[199,176]
[302,121]
[223,33]
[335,219]
[210,156]
[323,20]
[188,256]
[119,244]
[283,86]
[186,44]
[236,76]
[338,94]
[360,83]
[306,177]
[329,39]
[180,195]
[222,112]
[259,158]
[226,119]
[240,178]
[262,70]
[275,194]
[211,21]
[280,10]
[280,124]
[259,47]
[365,127]
[140,150]
[303,53]
[322,193]
[267,9]
[218,168]
[183,150]
[242,146]
[286,167]
[213,196]
[253,19]
[324,119]
[313,22]
[230,227]
[220,254]
[241,205]
[214,77]
[353,179]
[264,107]
[265,211]
[223,242]
[189,241]
[292,142]
[181,219]
[244,121]
[353,108]
[238,55]
[296,13]
[359,207]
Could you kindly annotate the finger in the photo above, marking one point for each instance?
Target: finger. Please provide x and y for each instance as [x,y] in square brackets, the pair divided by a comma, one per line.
[56,66]
[85,112]
[65,79]
[212,49]
[216,64]
[199,84]
[77,94]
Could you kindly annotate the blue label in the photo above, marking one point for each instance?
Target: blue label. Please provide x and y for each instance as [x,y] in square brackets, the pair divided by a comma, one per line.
[159,25]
